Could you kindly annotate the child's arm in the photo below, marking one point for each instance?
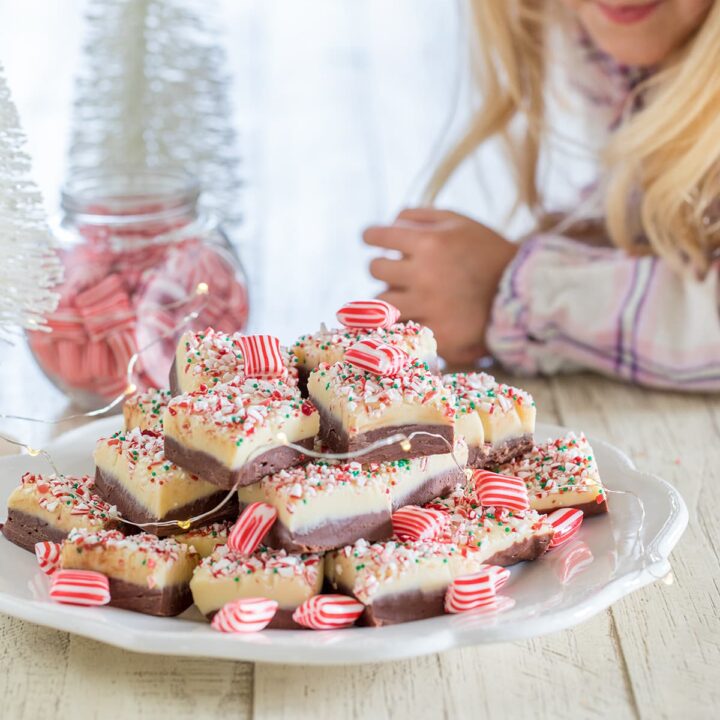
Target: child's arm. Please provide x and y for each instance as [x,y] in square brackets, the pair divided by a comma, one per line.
[555,305]
[563,305]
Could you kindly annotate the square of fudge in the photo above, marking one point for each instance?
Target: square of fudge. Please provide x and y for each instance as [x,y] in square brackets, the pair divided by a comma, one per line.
[561,473]
[399,581]
[322,506]
[208,358]
[329,345]
[206,538]
[133,473]
[359,408]
[497,420]
[289,579]
[502,536]
[46,507]
[145,410]
[236,434]
[146,574]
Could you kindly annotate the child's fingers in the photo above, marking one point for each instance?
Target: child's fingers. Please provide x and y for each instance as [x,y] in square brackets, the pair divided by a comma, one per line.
[391,237]
[406,302]
[396,273]
[426,215]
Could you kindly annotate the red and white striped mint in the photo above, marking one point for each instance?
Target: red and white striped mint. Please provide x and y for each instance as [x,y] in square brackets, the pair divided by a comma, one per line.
[376,357]
[245,615]
[565,522]
[48,556]
[571,560]
[500,490]
[80,587]
[479,589]
[262,357]
[368,314]
[328,612]
[415,523]
[253,524]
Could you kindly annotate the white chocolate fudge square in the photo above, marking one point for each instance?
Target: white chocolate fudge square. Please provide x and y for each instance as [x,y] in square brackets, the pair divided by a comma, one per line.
[47,507]
[208,358]
[358,408]
[236,434]
[133,472]
[561,473]
[329,346]
[273,574]
[145,410]
[497,420]
[141,559]
[206,538]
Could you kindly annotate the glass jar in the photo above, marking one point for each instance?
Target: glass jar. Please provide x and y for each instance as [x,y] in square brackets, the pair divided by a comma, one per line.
[138,257]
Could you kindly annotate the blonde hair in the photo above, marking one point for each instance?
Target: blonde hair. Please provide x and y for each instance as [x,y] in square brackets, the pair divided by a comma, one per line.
[665,156]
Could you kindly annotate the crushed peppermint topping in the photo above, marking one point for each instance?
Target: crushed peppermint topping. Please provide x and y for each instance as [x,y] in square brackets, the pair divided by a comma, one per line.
[246,407]
[300,485]
[159,550]
[380,562]
[471,525]
[225,562]
[150,405]
[216,530]
[557,466]
[375,394]
[70,493]
[329,345]
[145,448]
[480,392]
[215,357]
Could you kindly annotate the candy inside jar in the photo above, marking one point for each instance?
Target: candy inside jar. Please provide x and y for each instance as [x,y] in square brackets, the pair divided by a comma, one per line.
[139,260]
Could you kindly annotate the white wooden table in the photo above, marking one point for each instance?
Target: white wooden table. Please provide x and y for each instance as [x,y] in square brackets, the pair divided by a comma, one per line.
[339,102]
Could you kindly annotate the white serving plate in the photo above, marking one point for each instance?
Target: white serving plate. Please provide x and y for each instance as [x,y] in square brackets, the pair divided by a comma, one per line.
[628,552]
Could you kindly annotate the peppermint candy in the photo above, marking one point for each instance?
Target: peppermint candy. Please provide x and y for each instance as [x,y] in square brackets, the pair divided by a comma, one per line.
[415,523]
[368,314]
[571,560]
[252,526]
[48,556]
[246,615]
[262,356]
[328,612]
[475,591]
[80,587]
[500,490]
[376,357]
[566,523]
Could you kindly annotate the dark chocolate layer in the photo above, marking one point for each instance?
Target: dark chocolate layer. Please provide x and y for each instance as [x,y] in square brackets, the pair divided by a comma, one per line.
[303,377]
[173,380]
[491,456]
[114,492]
[331,535]
[336,438]
[419,604]
[437,486]
[163,602]
[25,530]
[212,470]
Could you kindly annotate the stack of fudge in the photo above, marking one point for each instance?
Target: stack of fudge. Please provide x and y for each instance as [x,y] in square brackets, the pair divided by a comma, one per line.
[331,438]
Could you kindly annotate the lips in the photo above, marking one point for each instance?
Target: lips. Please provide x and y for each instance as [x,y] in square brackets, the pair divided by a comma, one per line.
[628,14]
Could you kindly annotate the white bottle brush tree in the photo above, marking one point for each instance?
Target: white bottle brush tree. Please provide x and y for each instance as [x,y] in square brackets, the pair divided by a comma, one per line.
[29,267]
[153,94]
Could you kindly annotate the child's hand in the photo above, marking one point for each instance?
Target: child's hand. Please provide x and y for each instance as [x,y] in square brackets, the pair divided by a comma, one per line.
[447,277]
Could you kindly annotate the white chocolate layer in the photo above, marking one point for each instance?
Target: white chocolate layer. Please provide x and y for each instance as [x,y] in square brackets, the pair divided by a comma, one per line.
[233,423]
[273,574]
[504,412]
[139,559]
[145,410]
[62,502]
[206,539]
[361,401]
[137,462]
